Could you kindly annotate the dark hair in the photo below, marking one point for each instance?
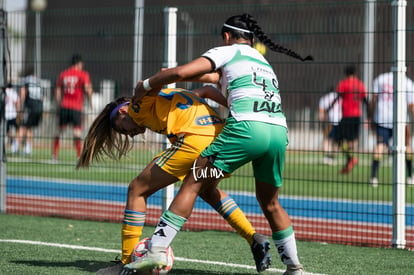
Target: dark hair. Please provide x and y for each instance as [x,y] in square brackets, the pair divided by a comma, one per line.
[249,24]
[103,139]
[350,70]
[76,58]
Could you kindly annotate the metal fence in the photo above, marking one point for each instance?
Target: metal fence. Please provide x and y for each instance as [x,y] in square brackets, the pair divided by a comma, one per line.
[120,46]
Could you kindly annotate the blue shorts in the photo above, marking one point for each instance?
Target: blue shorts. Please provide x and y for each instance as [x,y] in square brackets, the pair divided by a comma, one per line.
[383,135]
[334,133]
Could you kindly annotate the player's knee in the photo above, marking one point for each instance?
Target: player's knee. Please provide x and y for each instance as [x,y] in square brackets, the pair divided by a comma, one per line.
[140,186]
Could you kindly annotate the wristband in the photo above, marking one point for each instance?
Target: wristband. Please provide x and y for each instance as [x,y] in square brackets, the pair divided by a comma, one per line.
[146,85]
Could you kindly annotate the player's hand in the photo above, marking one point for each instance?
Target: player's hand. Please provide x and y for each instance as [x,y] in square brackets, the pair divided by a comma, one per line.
[139,92]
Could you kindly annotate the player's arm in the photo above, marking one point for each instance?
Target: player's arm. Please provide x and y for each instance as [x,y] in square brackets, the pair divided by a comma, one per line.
[372,106]
[58,94]
[322,114]
[23,94]
[211,93]
[213,77]
[19,103]
[195,68]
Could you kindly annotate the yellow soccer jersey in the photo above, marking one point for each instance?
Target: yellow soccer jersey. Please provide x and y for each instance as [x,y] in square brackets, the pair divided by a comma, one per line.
[174,112]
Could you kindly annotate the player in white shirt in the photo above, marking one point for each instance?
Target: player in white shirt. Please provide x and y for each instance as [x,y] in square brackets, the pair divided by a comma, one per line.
[255,132]
[330,114]
[381,107]
[12,109]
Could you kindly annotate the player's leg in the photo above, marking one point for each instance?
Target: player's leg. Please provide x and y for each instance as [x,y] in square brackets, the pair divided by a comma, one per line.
[328,157]
[21,132]
[180,209]
[29,142]
[30,121]
[230,211]
[34,121]
[77,131]
[268,171]
[350,134]
[150,180]
[280,224]
[179,161]
[63,118]
[170,224]
[383,138]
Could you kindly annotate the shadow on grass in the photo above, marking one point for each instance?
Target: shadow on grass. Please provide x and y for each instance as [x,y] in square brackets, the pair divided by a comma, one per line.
[90,266]
[179,271]
[93,266]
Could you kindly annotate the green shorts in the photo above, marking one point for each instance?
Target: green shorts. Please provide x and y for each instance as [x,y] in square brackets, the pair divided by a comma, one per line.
[261,143]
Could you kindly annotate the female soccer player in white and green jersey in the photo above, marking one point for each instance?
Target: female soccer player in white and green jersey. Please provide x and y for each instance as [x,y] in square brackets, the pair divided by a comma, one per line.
[256,132]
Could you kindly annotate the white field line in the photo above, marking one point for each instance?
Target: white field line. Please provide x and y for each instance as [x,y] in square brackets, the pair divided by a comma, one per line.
[98,249]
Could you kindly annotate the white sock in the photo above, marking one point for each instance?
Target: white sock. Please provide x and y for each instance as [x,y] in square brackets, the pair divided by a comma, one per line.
[287,250]
[167,229]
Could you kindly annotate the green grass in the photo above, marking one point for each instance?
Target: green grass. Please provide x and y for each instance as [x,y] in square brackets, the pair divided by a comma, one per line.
[304,175]
[225,247]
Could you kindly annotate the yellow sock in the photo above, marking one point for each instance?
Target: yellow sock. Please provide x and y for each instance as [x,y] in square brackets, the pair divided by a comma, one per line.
[132,226]
[231,212]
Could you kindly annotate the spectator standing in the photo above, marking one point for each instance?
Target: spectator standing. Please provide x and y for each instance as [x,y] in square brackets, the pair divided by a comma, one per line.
[71,86]
[31,96]
[381,109]
[12,108]
[330,115]
[353,92]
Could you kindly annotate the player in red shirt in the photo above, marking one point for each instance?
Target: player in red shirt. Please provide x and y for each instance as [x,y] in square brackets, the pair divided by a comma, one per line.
[352,92]
[71,86]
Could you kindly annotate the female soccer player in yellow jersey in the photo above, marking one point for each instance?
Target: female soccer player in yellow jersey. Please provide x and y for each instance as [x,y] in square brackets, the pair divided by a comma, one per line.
[190,125]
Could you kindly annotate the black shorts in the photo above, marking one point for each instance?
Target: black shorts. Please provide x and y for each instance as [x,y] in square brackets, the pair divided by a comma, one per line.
[334,133]
[349,128]
[70,117]
[31,118]
[11,123]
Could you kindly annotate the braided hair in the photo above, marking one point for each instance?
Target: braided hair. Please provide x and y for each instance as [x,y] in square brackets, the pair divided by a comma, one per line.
[245,26]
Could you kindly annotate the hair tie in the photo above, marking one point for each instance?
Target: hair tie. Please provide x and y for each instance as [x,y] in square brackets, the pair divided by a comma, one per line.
[236,28]
[116,109]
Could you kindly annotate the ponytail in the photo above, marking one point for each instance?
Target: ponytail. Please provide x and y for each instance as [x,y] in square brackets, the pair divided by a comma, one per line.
[244,26]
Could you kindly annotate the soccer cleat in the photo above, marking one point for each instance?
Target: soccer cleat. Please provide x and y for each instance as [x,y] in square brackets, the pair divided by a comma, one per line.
[260,249]
[114,269]
[349,165]
[155,258]
[294,270]
[373,182]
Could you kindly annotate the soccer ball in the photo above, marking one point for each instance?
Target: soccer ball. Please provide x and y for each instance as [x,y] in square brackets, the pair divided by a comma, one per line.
[141,250]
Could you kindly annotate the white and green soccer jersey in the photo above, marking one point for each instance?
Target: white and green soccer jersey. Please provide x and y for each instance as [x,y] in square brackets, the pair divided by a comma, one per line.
[249,83]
